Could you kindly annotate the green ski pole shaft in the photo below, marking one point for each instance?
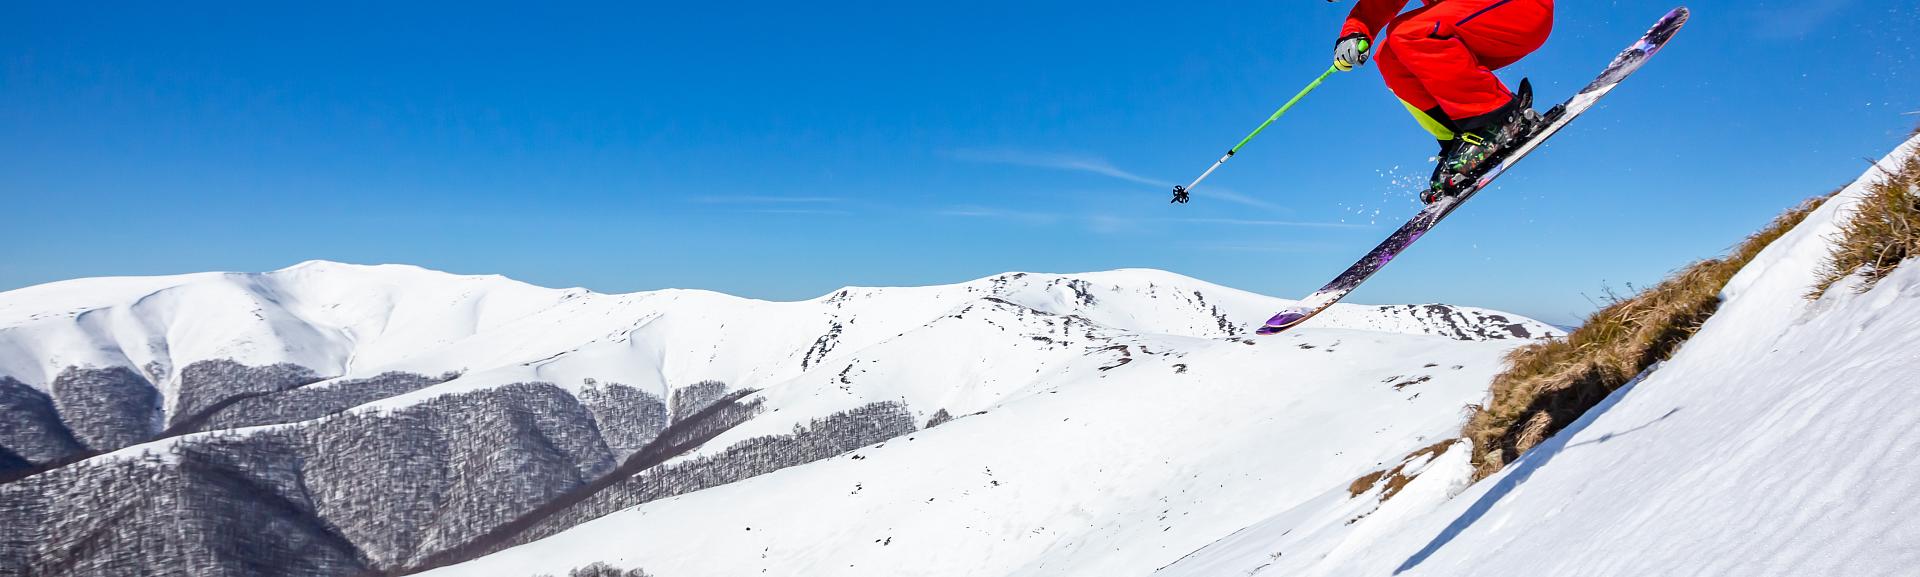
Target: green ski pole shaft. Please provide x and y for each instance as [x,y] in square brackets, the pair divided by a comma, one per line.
[1180,192]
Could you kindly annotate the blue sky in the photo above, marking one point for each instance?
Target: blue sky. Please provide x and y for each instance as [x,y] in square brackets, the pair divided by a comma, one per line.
[781,150]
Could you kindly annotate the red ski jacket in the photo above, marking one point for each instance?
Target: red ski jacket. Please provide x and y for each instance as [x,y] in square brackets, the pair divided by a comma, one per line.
[1369,16]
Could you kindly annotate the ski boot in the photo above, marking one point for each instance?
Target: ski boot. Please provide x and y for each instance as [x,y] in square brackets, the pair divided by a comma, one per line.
[1477,148]
[1431,194]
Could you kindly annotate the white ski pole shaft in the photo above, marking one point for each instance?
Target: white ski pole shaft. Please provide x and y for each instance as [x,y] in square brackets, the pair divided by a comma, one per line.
[1180,192]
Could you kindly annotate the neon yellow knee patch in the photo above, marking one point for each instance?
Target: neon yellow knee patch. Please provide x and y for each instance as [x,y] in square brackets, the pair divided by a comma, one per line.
[1440,131]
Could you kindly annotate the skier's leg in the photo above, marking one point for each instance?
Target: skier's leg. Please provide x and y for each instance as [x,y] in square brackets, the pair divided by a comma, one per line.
[1412,94]
[1454,47]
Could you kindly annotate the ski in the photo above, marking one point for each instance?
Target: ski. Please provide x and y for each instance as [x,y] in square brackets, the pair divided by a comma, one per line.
[1623,65]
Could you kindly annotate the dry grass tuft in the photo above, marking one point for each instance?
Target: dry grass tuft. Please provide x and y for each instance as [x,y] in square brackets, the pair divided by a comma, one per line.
[1882,231]
[1549,385]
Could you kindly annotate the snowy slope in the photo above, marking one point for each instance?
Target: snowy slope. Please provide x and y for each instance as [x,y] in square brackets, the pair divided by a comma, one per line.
[1108,421]
[1092,467]
[1778,441]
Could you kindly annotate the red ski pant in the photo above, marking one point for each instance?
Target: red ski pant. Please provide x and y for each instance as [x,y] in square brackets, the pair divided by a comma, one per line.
[1440,58]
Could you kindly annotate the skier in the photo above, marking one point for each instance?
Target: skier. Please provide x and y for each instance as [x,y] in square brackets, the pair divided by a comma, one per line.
[1439,60]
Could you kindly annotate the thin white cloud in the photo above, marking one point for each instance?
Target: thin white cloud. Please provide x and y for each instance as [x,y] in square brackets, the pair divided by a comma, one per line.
[1237,198]
[1074,163]
[1796,19]
[999,214]
[1112,224]
[1099,166]
[1276,223]
[1107,224]
[1278,247]
[757,199]
[822,211]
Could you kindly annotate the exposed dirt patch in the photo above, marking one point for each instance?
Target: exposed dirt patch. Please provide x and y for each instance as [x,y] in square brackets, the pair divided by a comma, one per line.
[1397,478]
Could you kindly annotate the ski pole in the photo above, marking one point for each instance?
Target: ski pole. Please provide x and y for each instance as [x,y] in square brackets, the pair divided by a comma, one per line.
[1180,192]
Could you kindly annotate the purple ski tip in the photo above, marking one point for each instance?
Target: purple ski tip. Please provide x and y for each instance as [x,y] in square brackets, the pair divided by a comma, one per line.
[1281,322]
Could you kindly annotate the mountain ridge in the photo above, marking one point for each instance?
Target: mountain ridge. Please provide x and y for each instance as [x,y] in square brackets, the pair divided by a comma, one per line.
[340,333]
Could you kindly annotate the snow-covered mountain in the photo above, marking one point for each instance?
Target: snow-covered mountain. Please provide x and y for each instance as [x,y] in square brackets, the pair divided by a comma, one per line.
[327,419]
